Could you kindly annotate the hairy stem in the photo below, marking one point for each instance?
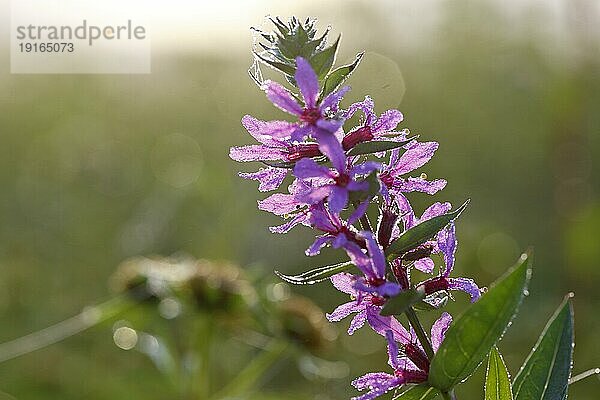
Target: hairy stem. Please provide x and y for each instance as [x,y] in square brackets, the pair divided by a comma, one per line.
[418,327]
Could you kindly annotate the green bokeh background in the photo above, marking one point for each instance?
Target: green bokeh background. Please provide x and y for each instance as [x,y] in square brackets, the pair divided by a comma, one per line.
[98,168]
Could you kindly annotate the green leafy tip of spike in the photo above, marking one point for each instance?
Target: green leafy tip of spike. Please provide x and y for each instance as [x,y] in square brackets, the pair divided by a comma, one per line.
[315,275]
[546,371]
[293,39]
[497,380]
[472,335]
[422,232]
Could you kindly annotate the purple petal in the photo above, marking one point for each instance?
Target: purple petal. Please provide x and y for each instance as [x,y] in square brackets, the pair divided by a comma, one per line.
[308,168]
[301,218]
[415,156]
[366,106]
[307,82]
[338,198]
[344,282]
[438,330]
[255,152]
[357,322]
[301,132]
[354,186]
[332,148]
[388,121]
[270,178]
[380,390]
[388,289]
[434,210]
[266,132]
[343,310]
[425,265]
[330,125]
[364,168]
[278,204]
[315,195]
[446,241]
[332,101]
[381,324]
[358,258]
[466,285]
[320,218]
[281,98]
[371,379]
[318,244]
[420,185]
[358,212]
[339,241]
[406,211]
[376,254]
[392,349]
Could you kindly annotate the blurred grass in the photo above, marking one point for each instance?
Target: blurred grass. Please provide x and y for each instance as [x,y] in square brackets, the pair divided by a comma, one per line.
[94,169]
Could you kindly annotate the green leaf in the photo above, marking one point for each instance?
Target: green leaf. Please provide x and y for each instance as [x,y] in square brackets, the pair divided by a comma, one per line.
[470,338]
[285,68]
[399,304]
[335,79]
[497,381]
[546,371]
[374,147]
[418,392]
[316,275]
[422,232]
[323,60]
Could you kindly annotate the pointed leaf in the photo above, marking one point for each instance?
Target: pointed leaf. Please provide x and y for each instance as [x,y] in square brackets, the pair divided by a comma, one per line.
[374,147]
[285,68]
[335,79]
[418,392]
[497,381]
[399,304]
[545,374]
[471,336]
[323,60]
[315,275]
[422,232]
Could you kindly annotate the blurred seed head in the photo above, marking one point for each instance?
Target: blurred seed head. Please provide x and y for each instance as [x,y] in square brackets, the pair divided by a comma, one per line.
[303,322]
[210,286]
